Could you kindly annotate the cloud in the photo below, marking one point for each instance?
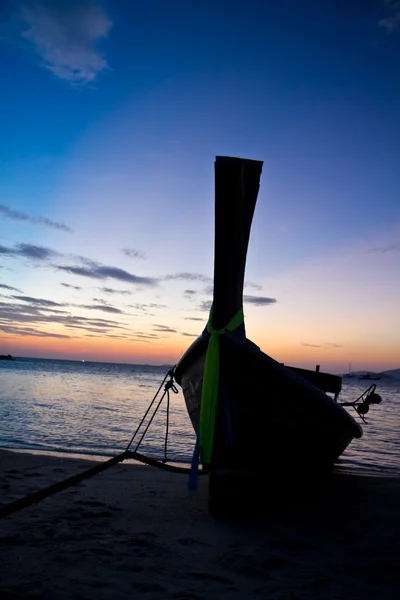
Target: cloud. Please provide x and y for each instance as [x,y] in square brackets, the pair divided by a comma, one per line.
[325,345]
[97,271]
[259,300]
[108,290]
[35,252]
[194,319]
[5,250]
[205,305]
[132,253]
[30,331]
[147,335]
[103,307]
[255,286]
[189,293]
[74,287]
[190,334]
[392,21]
[255,300]
[90,268]
[164,329]
[145,307]
[65,35]
[189,277]
[10,213]
[37,301]
[38,312]
[386,249]
[9,287]
[29,251]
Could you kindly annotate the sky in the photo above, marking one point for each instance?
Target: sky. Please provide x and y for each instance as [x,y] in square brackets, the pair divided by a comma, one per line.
[111,115]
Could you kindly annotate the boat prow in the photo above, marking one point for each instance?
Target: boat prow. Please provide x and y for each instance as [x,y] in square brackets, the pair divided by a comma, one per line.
[277,420]
[250,412]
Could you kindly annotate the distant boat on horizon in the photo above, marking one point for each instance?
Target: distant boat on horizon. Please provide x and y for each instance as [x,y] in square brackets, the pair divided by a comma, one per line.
[370,376]
[350,374]
[6,357]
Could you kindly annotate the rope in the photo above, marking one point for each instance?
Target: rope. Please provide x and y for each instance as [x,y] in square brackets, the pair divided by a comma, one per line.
[34,498]
[30,499]
[167,425]
[170,374]
[168,386]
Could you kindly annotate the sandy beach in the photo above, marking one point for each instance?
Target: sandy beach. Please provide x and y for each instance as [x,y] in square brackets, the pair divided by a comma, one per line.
[134,531]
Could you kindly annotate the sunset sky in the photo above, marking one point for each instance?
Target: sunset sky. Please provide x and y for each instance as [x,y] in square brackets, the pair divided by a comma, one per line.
[111,115]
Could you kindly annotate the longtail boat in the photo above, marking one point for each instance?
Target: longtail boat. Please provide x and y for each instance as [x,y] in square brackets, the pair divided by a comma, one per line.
[249,411]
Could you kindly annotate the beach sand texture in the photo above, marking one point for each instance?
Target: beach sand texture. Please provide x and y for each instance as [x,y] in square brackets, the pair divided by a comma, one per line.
[134,531]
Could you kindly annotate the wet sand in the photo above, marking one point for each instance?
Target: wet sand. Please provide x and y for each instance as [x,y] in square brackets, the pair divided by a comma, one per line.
[134,531]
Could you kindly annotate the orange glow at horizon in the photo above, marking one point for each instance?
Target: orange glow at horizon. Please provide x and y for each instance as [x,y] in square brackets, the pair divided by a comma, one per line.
[168,351]
[101,349]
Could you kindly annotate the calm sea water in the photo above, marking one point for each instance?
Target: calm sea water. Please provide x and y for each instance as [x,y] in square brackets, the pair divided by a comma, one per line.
[94,408]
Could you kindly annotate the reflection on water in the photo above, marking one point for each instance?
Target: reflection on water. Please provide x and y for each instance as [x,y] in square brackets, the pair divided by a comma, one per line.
[87,407]
[95,408]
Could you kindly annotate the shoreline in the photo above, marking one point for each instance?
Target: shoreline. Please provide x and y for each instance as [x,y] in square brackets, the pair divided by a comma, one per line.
[133,531]
[356,470]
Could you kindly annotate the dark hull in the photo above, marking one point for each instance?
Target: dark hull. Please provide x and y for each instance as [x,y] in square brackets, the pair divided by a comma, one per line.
[277,419]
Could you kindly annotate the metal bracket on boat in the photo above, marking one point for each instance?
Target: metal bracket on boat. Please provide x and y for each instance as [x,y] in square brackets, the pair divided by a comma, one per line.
[363,402]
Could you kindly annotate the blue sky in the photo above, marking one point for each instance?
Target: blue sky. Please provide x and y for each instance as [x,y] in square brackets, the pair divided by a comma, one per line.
[111,116]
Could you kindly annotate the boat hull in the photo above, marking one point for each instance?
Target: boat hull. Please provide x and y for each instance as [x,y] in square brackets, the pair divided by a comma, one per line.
[269,417]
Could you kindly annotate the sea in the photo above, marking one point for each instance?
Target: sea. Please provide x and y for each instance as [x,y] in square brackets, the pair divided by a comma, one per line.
[84,408]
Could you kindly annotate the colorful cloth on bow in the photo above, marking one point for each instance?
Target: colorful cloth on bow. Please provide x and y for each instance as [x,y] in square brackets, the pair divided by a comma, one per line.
[209,395]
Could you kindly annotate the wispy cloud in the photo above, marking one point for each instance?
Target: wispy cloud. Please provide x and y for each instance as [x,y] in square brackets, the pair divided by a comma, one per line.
[325,345]
[10,213]
[37,301]
[31,331]
[74,287]
[386,249]
[98,271]
[34,312]
[103,307]
[66,35]
[9,287]
[194,319]
[88,268]
[189,277]
[164,329]
[189,293]
[147,335]
[132,253]
[259,300]
[255,286]
[31,251]
[392,21]
[255,300]
[108,290]
[205,305]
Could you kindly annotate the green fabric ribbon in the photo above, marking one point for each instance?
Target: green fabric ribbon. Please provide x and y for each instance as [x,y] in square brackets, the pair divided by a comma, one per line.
[209,393]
